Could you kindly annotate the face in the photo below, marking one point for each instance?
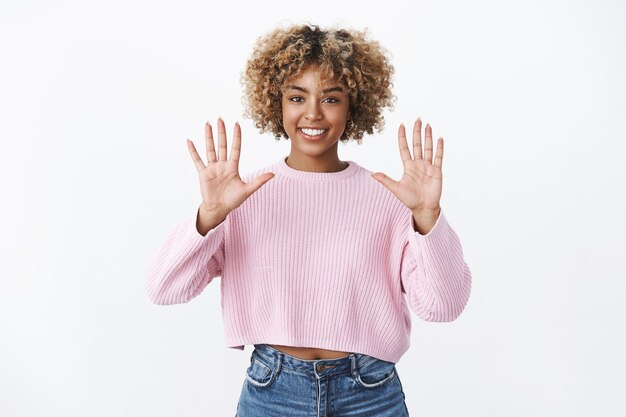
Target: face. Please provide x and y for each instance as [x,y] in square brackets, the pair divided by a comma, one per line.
[314,120]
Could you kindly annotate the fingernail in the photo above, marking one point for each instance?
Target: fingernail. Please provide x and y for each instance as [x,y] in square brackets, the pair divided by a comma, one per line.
[419,120]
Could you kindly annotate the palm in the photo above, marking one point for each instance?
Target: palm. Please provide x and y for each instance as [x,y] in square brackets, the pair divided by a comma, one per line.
[221,185]
[421,183]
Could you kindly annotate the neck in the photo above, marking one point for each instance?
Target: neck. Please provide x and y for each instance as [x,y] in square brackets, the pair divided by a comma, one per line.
[312,164]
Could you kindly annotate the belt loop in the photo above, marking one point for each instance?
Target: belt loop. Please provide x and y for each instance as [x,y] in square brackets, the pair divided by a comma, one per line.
[279,362]
[353,364]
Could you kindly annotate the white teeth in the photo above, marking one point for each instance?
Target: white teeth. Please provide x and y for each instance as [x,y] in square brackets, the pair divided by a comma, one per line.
[313,132]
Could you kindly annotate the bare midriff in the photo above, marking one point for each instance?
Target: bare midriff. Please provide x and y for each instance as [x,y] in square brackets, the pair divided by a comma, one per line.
[308,353]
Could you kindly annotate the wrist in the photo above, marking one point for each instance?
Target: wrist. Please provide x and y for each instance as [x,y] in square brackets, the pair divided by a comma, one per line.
[207,220]
[425,219]
[211,211]
[426,212]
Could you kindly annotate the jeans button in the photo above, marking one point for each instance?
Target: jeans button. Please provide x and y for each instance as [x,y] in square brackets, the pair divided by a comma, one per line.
[320,368]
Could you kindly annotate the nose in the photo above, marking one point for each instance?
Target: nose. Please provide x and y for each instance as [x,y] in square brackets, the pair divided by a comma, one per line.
[312,111]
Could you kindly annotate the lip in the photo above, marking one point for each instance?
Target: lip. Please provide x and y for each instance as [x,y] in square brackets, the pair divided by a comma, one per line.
[312,138]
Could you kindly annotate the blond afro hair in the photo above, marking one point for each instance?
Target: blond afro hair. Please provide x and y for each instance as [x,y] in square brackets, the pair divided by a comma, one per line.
[359,65]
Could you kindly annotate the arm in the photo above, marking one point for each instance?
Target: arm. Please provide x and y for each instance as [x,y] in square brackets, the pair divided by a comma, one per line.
[434,275]
[187,261]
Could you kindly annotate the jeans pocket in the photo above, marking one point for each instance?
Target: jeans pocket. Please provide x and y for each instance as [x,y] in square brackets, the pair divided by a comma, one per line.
[376,373]
[259,373]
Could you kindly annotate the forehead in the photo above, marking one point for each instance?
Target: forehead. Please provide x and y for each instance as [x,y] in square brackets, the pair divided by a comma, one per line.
[311,79]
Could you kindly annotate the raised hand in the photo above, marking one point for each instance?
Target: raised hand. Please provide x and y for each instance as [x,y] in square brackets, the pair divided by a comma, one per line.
[220,184]
[421,184]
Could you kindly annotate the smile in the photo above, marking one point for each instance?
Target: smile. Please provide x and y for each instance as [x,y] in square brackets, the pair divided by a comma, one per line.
[312,134]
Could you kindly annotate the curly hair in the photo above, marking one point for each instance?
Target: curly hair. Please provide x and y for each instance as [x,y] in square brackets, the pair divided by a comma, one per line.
[359,65]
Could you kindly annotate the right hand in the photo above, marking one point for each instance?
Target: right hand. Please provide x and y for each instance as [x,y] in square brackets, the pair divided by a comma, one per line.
[220,184]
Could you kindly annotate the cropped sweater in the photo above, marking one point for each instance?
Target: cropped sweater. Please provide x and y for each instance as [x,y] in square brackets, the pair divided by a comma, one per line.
[317,259]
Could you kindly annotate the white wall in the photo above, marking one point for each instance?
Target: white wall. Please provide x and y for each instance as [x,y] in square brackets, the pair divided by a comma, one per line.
[96,101]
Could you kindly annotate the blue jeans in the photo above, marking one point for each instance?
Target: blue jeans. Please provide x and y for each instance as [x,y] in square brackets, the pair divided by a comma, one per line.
[280,385]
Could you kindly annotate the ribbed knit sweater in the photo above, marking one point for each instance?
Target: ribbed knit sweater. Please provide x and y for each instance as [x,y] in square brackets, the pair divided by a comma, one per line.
[317,259]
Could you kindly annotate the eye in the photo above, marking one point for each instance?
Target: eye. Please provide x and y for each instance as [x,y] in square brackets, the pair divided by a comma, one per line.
[332,100]
[294,99]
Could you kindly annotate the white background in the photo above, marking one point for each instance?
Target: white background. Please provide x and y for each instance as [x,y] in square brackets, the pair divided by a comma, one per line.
[97,99]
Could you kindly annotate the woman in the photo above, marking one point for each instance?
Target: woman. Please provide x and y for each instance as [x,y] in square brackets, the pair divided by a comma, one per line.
[317,257]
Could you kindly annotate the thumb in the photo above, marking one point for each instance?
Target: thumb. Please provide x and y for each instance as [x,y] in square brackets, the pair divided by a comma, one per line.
[383,179]
[256,183]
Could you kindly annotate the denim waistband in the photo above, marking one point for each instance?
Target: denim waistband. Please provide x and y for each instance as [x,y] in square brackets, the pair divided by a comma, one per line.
[311,367]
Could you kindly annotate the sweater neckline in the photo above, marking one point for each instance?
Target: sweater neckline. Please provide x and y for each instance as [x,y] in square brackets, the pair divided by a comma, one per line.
[288,171]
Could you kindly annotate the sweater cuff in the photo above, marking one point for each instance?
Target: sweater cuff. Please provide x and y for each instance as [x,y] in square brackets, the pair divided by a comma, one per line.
[437,240]
[440,223]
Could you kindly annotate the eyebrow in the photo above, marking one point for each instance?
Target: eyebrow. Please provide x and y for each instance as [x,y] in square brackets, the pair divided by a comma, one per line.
[304,90]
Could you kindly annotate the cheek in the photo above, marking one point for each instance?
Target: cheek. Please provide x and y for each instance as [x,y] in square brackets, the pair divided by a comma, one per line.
[340,117]
[341,114]
[287,109]
[288,119]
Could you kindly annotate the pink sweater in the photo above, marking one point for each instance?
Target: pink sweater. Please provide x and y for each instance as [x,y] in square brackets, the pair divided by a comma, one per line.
[315,259]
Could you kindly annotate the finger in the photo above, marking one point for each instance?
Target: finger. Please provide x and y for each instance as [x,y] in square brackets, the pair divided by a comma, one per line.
[428,146]
[256,183]
[388,182]
[235,148]
[417,139]
[405,155]
[221,141]
[439,154]
[194,155]
[208,143]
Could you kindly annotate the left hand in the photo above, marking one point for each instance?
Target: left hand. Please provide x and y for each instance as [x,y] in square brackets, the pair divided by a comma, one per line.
[420,186]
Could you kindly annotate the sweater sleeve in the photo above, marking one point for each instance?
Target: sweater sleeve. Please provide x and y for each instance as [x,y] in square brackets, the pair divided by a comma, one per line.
[185,263]
[434,275]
